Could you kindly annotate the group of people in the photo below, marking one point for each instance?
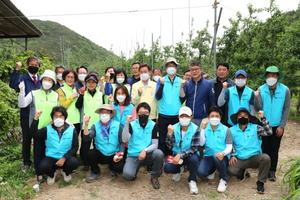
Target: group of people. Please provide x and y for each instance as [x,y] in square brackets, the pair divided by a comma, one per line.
[171,124]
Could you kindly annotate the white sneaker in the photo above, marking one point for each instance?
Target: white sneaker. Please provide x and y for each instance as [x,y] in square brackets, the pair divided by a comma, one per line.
[51,181]
[193,187]
[66,178]
[222,186]
[211,176]
[177,177]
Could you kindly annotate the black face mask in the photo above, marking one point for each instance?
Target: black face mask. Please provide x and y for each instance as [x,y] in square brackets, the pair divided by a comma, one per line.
[143,119]
[33,69]
[243,121]
[112,75]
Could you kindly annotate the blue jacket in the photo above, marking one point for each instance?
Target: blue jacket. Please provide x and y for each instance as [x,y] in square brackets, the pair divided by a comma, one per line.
[16,79]
[199,97]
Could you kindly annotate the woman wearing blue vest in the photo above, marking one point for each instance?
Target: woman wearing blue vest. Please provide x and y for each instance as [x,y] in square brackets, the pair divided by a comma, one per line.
[237,96]
[142,136]
[183,139]
[274,99]
[107,135]
[217,141]
[247,138]
[61,144]
[43,99]
[87,102]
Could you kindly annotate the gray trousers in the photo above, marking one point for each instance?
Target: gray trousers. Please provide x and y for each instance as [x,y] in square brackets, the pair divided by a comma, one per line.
[132,165]
[260,161]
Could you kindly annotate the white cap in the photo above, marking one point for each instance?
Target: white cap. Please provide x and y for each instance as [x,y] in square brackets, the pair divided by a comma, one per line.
[185,110]
[50,74]
[171,59]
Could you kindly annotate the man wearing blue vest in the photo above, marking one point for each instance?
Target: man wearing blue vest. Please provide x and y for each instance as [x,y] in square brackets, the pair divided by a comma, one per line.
[246,135]
[107,135]
[184,140]
[237,96]
[142,136]
[274,99]
[61,145]
[168,96]
[31,82]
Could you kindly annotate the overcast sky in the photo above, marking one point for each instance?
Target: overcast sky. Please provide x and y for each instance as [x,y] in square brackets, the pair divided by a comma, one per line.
[121,24]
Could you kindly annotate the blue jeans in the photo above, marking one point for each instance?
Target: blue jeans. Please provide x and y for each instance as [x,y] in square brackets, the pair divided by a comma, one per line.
[192,162]
[209,164]
[132,165]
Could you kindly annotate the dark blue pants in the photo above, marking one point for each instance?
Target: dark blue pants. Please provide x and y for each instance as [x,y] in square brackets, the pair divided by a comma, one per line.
[39,154]
[26,143]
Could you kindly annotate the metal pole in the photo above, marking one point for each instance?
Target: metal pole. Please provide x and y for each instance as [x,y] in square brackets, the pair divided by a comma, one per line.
[172,31]
[215,35]
[189,30]
[152,54]
[26,44]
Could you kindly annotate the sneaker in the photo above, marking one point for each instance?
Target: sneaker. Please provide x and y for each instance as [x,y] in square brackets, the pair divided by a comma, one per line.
[211,176]
[51,181]
[222,186]
[93,177]
[113,174]
[260,187]
[193,187]
[243,175]
[67,178]
[271,176]
[25,168]
[177,177]
[40,179]
[85,169]
[155,183]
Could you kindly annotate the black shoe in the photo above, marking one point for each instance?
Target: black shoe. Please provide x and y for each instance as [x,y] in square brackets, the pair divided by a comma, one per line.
[149,168]
[40,180]
[260,187]
[271,176]
[155,183]
[85,169]
[242,176]
[25,168]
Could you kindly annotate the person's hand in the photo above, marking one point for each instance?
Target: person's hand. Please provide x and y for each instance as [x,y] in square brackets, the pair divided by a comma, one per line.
[204,125]
[142,155]
[176,159]
[82,90]
[279,132]
[18,65]
[22,87]
[232,160]
[140,91]
[60,162]
[170,130]
[86,120]
[38,113]
[260,114]
[162,80]
[118,157]
[256,94]
[74,95]
[110,98]
[102,79]
[225,85]
[220,155]
[128,118]
[206,76]
[183,82]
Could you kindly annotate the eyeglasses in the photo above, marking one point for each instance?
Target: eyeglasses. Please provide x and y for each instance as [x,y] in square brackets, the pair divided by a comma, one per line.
[143,113]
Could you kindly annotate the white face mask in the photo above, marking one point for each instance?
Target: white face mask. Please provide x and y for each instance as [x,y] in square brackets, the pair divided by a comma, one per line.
[171,70]
[156,78]
[184,121]
[240,82]
[120,80]
[214,121]
[104,118]
[59,77]
[121,98]
[271,81]
[46,85]
[144,76]
[81,77]
[58,122]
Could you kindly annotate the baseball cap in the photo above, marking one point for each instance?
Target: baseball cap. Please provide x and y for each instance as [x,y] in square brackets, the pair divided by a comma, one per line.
[240,72]
[185,110]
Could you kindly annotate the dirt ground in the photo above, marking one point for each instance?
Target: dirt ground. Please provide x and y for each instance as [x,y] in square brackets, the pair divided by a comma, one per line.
[117,188]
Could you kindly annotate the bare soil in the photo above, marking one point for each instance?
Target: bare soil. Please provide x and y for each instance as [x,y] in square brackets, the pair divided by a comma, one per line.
[117,188]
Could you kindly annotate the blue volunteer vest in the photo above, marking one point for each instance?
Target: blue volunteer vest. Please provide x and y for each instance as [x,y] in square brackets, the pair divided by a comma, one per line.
[122,117]
[108,146]
[57,147]
[246,143]
[273,106]
[215,140]
[187,139]
[140,138]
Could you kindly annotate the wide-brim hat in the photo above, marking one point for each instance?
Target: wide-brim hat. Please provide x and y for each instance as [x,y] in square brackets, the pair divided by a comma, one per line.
[171,59]
[50,74]
[252,118]
[272,69]
[107,107]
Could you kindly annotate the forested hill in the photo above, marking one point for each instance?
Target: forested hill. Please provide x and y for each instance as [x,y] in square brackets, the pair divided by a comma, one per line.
[82,50]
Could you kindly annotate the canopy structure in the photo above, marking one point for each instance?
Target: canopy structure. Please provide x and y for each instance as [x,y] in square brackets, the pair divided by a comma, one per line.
[13,23]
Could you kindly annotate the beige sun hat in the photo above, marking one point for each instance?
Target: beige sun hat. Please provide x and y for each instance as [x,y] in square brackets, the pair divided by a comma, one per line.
[107,107]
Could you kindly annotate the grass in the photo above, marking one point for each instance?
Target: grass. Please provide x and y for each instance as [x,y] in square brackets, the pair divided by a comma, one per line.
[94,194]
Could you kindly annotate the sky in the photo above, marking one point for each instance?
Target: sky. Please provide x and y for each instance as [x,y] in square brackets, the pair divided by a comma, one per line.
[119,25]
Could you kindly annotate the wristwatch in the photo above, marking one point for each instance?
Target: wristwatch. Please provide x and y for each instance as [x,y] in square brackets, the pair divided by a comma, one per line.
[146,150]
